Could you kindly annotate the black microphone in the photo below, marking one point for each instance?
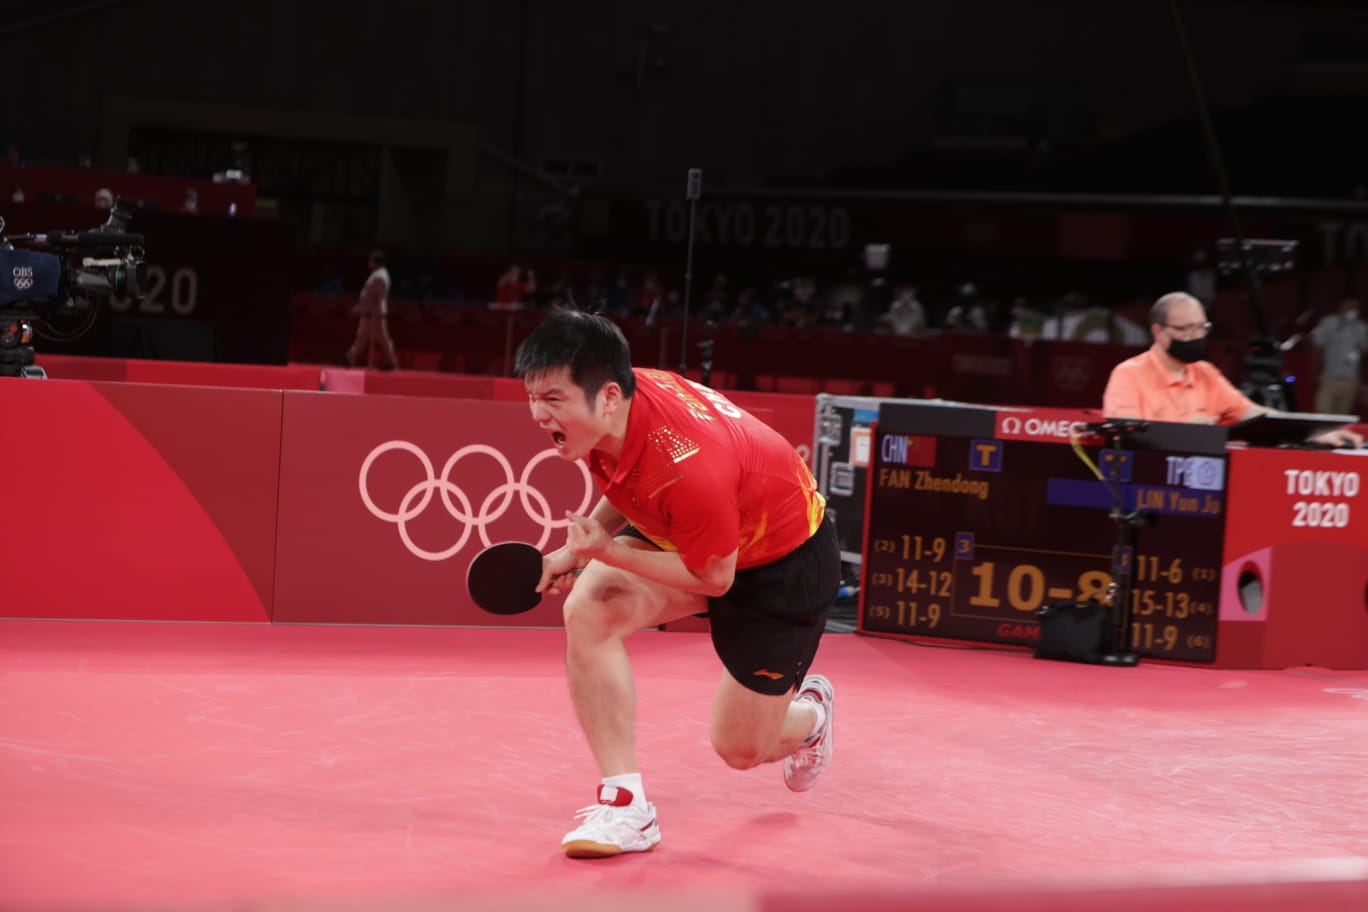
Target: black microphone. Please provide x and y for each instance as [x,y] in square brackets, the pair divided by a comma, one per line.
[694,188]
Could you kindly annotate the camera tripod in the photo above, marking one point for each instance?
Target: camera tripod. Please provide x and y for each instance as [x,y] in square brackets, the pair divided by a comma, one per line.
[16,351]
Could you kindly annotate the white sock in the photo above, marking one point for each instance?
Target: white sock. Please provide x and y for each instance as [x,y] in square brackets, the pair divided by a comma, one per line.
[632,783]
[821,720]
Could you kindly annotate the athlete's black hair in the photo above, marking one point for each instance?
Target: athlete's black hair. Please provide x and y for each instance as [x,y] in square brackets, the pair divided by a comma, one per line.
[590,345]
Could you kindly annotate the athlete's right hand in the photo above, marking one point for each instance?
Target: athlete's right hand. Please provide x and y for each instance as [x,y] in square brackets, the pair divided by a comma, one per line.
[559,570]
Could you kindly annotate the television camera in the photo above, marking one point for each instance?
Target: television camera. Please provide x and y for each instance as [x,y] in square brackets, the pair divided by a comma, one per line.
[51,283]
[1254,258]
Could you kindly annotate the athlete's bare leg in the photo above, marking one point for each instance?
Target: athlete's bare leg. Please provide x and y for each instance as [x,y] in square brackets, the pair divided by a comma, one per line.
[750,728]
[606,606]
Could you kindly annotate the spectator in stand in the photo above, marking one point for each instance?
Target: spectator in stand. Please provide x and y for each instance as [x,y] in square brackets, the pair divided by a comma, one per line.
[83,160]
[905,315]
[1080,321]
[133,166]
[12,158]
[719,296]
[595,297]
[16,194]
[793,310]
[622,296]
[649,299]
[1341,339]
[969,313]
[1027,322]
[561,295]
[750,310]
[190,201]
[372,311]
[670,305]
[805,292]
[836,314]
[515,288]
[104,198]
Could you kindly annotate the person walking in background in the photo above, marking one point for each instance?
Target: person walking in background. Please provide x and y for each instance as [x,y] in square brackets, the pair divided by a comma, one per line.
[372,311]
[1341,339]
[515,288]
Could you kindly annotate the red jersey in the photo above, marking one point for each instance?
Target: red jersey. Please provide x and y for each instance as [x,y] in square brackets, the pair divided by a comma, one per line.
[699,476]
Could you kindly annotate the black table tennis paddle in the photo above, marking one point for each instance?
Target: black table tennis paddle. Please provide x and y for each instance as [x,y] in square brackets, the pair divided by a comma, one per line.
[503,578]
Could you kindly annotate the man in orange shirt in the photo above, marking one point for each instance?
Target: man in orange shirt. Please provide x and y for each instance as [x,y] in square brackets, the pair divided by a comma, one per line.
[1171,381]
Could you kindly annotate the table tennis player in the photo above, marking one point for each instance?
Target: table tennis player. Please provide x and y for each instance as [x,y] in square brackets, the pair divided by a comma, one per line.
[704,508]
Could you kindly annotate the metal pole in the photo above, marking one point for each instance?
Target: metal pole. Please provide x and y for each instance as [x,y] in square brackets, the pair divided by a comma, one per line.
[693,190]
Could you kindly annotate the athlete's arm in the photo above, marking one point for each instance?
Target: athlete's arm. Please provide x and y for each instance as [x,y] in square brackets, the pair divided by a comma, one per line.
[588,538]
[607,516]
[560,567]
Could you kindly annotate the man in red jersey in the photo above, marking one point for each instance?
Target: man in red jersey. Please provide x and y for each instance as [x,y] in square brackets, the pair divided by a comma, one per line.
[724,518]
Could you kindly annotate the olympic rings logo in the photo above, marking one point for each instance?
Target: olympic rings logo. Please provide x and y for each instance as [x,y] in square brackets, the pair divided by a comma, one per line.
[1072,374]
[495,504]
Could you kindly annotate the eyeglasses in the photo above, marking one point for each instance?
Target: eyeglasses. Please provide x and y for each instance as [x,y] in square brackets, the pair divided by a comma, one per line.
[1190,328]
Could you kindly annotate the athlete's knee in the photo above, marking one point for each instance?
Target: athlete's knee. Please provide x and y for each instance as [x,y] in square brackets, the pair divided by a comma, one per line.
[596,609]
[738,753]
[740,758]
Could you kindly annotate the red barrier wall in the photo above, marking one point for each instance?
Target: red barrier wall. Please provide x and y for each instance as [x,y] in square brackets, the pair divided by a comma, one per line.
[172,502]
[1297,526]
[139,502]
[183,373]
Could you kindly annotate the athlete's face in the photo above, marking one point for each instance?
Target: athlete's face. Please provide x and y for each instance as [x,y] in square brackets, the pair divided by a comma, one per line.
[561,409]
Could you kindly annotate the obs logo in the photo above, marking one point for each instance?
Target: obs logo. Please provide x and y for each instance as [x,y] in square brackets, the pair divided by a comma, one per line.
[458,504]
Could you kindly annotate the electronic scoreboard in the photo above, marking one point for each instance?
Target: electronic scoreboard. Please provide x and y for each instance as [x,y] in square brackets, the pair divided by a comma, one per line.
[977,517]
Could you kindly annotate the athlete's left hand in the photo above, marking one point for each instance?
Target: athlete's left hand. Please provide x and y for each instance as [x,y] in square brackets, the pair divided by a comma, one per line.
[585,537]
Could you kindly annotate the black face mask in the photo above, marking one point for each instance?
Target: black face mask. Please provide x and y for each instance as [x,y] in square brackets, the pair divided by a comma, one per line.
[1188,350]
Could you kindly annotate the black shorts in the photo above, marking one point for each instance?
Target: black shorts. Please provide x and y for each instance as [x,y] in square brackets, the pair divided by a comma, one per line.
[766,627]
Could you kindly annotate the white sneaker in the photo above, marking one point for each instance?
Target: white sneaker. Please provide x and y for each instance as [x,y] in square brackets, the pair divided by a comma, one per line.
[803,766]
[613,826]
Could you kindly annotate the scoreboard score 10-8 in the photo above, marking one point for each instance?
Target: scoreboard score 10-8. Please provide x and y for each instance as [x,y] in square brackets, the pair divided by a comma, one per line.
[969,532]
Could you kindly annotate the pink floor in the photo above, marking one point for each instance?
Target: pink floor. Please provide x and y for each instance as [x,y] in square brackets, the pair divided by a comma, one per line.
[210,766]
